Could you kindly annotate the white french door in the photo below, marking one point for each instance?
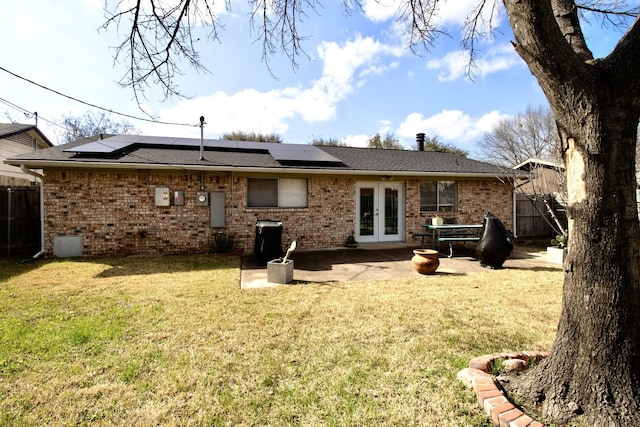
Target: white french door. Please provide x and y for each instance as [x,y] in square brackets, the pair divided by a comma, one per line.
[379,211]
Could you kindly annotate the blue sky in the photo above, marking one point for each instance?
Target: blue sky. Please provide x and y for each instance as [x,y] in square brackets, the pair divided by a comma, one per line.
[358,78]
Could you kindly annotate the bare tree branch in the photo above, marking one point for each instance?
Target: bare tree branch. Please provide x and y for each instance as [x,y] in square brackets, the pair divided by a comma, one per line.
[276,23]
[161,34]
[611,13]
[528,135]
[419,17]
[478,26]
[159,40]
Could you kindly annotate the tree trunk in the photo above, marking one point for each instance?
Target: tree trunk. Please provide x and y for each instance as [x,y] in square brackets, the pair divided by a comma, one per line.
[594,365]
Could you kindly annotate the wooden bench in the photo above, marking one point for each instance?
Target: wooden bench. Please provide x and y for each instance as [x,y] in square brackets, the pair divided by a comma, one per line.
[455,238]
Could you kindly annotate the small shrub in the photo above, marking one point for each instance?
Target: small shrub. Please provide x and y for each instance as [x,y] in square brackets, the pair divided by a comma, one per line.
[560,241]
[497,366]
[221,243]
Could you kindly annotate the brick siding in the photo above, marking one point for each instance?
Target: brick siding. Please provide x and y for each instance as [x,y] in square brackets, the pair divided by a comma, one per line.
[474,199]
[115,212]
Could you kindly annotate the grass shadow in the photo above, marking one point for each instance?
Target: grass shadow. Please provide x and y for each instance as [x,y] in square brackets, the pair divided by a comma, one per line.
[12,267]
[324,260]
[140,266]
[532,269]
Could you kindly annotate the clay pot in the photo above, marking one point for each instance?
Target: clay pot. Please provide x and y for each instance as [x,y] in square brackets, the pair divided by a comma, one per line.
[425,261]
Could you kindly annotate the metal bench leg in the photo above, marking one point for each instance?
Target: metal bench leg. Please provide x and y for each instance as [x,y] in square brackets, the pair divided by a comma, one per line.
[450,249]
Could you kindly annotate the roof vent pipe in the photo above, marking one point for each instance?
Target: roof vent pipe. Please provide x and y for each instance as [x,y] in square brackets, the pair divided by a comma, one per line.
[201,137]
[420,141]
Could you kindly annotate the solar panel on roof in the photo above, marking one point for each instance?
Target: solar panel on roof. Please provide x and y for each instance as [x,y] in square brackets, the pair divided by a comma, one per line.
[301,153]
[280,152]
[104,146]
[99,147]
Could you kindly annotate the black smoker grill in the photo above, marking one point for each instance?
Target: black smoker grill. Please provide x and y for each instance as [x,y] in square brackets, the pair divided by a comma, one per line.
[496,244]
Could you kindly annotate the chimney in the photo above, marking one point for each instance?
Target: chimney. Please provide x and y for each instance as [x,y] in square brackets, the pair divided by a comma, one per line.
[420,141]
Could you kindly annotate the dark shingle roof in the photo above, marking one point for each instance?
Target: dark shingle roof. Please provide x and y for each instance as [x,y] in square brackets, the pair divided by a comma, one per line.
[10,129]
[252,157]
[7,129]
[367,159]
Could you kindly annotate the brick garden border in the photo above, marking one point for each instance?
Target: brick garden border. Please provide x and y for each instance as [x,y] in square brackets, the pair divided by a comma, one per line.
[498,408]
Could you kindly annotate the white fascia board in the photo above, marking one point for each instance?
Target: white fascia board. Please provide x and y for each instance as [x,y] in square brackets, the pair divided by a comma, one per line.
[57,164]
[535,162]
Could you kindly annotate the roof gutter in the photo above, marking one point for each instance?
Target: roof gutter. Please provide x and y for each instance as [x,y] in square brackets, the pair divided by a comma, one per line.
[40,164]
[41,178]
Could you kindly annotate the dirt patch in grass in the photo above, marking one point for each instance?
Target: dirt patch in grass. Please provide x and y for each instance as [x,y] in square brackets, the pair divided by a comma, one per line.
[174,341]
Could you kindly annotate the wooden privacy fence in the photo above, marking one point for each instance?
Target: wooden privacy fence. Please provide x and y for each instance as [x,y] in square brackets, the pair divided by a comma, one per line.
[532,218]
[19,221]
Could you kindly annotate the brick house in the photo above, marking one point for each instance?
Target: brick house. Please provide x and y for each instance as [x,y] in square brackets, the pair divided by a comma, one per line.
[130,194]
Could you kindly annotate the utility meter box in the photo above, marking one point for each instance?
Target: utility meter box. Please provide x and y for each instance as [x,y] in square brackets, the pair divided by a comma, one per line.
[202,198]
[217,209]
[178,198]
[162,196]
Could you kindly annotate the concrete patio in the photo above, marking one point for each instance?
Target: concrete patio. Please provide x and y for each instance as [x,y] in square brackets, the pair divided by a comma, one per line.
[377,262]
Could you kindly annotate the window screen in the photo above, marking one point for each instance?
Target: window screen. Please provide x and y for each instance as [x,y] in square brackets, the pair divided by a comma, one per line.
[262,193]
[292,193]
[439,196]
[274,192]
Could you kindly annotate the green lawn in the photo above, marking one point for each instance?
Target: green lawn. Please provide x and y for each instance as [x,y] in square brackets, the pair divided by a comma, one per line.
[174,341]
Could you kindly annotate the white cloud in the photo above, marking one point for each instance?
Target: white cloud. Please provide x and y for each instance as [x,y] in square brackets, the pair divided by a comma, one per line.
[450,125]
[488,122]
[385,127]
[345,67]
[380,10]
[342,61]
[361,141]
[456,12]
[95,5]
[248,110]
[24,26]
[449,13]
[502,57]
[454,64]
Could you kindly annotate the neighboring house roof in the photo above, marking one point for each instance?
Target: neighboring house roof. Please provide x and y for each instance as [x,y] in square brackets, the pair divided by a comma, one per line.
[531,164]
[137,151]
[9,130]
[544,177]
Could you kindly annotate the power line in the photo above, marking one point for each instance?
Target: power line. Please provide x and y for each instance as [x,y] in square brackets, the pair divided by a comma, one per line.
[94,105]
[38,117]
[28,113]
[17,107]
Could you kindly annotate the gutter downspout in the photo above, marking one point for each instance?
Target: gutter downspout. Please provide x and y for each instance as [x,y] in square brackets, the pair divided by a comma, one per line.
[514,206]
[9,222]
[41,177]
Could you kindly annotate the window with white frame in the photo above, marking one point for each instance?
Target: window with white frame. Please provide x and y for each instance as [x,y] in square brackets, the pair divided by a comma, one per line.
[277,192]
[439,196]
